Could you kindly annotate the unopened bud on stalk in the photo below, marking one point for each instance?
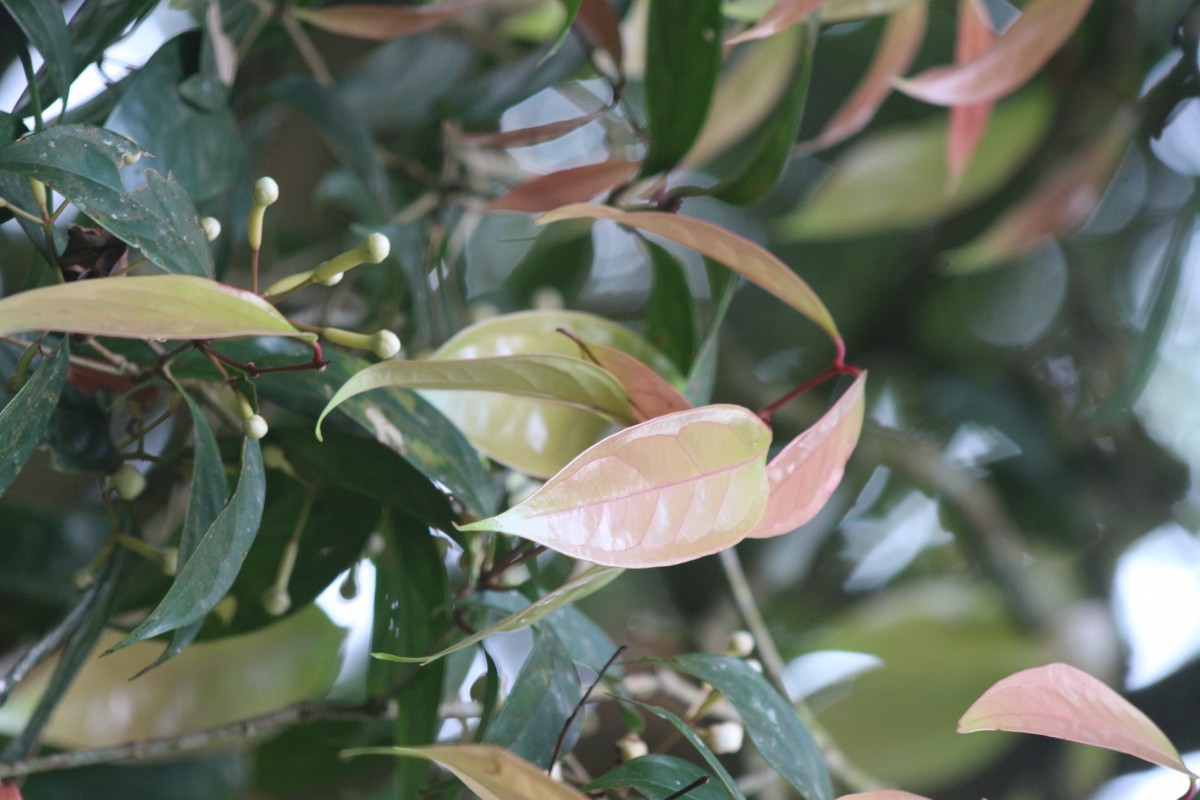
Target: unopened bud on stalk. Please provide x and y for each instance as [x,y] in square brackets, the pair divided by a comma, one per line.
[631,746]
[253,425]
[170,561]
[127,482]
[384,344]
[372,250]
[741,644]
[266,192]
[276,601]
[724,737]
[212,228]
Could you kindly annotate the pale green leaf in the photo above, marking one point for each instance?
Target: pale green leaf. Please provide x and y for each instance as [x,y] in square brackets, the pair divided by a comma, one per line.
[665,491]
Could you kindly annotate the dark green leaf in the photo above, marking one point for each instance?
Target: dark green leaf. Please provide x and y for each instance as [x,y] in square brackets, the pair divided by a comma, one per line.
[210,572]
[770,721]
[657,776]
[719,772]
[722,283]
[83,164]
[771,145]
[536,709]
[46,29]
[24,419]
[683,56]
[669,323]
[584,640]
[79,435]
[197,143]
[212,777]
[561,258]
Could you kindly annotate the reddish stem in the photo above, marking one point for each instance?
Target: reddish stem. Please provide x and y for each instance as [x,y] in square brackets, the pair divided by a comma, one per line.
[252,371]
[833,370]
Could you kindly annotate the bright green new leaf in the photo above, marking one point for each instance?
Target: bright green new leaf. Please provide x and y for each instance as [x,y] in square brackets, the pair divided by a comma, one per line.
[1014,58]
[805,473]
[743,256]
[547,377]
[24,418]
[665,491]
[46,29]
[579,587]
[491,772]
[149,307]
[1063,702]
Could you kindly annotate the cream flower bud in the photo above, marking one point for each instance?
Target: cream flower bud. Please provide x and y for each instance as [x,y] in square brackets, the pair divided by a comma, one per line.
[254,427]
[384,343]
[170,561]
[289,283]
[212,228]
[276,601]
[266,192]
[741,644]
[724,737]
[127,482]
[372,250]
[631,746]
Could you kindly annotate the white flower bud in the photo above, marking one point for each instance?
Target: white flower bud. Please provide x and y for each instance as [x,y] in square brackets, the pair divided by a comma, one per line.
[741,644]
[266,191]
[254,427]
[212,228]
[276,601]
[724,737]
[631,746]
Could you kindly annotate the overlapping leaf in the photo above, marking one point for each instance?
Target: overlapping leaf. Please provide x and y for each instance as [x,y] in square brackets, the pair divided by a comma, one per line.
[1063,702]
[746,258]
[649,394]
[780,17]
[572,185]
[24,418]
[149,307]
[969,121]
[805,473]
[669,490]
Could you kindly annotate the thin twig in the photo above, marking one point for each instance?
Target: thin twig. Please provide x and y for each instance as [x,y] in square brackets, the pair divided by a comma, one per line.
[562,736]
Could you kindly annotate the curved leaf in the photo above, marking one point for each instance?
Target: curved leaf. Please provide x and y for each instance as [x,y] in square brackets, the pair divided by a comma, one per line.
[24,418]
[1063,702]
[665,491]
[743,256]
[657,776]
[149,307]
[588,582]
[883,794]
[783,15]
[525,137]
[806,472]
[548,377]
[1015,57]
[897,49]
[381,22]
[969,121]
[649,395]
[573,185]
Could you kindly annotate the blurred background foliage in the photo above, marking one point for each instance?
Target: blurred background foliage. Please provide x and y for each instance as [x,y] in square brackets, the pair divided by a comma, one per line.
[1023,490]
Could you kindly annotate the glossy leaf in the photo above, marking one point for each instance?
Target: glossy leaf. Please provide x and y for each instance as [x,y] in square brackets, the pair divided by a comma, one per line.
[24,418]
[883,794]
[683,56]
[1014,58]
[212,569]
[491,772]
[969,121]
[670,319]
[149,307]
[1063,702]
[805,473]
[82,163]
[649,395]
[724,779]
[586,583]
[746,258]
[562,380]
[46,29]
[769,718]
[665,491]
[382,22]
[847,10]
[657,776]
[572,185]
[899,46]
[781,16]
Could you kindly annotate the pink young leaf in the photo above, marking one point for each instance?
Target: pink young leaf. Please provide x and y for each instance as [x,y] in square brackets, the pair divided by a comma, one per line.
[665,491]
[741,255]
[381,22]
[602,27]
[9,791]
[805,473]
[650,395]
[1013,59]
[573,185]
[1066,703]
[883,794]
[783,15]
[969,121]
[1061,202]
[525,137]
[896,52]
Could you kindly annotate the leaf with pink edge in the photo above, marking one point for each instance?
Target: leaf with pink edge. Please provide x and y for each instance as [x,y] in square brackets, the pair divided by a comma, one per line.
[969,120]
[649,393]
[805,473]
[1063,702]
[662,492]
[781,16]
[743,256]
[1016,56]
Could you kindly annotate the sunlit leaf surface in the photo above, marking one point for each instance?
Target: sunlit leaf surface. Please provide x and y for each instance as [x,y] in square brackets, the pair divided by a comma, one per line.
[669,490]
[1061,701]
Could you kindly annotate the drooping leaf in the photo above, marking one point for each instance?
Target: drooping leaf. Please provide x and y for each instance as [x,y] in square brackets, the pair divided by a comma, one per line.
[1015,57]
[46,29]
[24,418]
[746,258]
[769,719]
[382,22]
[657,776]
[670,321]
[683,56]
[586,583]
[805,473]
[82,163]
[213,567]
[649,395]
[781,16]
[1063,702]
[897,49]
[724,779]
[491,772]
[572,185]
[847,10]
[969,121]
[525,137]
[145,307]
[563,380]
[669,490]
